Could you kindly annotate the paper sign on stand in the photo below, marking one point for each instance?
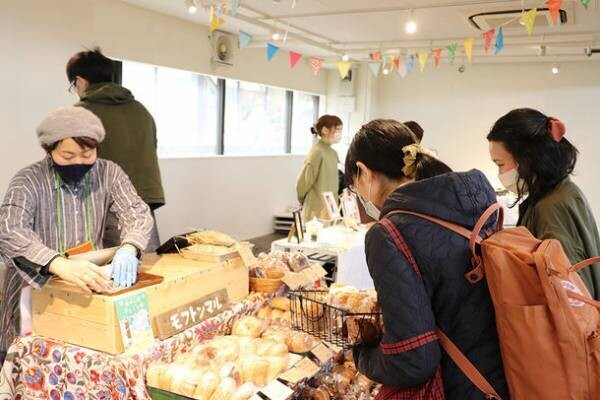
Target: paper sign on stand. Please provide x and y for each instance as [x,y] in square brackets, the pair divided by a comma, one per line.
[322,353]
[134,322]
[303,369]
[246,254]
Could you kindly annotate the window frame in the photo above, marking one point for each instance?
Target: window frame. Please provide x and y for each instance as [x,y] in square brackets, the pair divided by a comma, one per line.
[221,104]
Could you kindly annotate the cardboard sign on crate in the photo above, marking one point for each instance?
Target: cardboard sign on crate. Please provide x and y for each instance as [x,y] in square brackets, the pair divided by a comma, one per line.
[185,316]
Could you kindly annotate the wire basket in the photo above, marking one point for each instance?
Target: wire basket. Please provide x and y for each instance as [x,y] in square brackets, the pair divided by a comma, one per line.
[310,313]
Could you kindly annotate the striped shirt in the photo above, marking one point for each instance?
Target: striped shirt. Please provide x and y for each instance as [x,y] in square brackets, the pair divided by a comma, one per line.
[29,230]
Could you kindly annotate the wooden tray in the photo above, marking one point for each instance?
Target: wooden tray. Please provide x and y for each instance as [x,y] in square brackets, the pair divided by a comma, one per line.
[144,280]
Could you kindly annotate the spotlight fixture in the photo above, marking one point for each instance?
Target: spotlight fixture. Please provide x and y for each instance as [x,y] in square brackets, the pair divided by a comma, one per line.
[345,57]
[556,69]
[276,36]
[191,5]
[386,71]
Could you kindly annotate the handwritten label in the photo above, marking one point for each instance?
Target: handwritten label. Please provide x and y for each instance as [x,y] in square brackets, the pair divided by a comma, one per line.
[322,353]
[185,316]
[277,391]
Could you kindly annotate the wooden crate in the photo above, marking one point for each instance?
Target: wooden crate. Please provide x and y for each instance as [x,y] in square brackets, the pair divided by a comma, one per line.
[64,312]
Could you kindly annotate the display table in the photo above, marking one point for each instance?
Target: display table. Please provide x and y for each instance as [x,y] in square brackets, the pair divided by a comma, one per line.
[41,368]
[341,245]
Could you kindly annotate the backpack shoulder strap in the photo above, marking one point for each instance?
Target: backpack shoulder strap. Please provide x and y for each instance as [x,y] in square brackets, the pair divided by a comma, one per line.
[474,238]
[461,361]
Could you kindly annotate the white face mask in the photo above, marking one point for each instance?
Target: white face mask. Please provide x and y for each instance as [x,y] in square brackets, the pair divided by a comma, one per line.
[370,208]
[512,182]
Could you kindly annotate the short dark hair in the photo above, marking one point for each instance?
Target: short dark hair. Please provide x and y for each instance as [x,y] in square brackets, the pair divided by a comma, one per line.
[83,141]
[543,162]
[91,65]
[416,129]
[379,146]
[326,121]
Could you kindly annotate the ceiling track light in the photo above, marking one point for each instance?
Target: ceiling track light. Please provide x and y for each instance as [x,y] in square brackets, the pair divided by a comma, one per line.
[191,6]
[345,57]
[556,69]
[276,36]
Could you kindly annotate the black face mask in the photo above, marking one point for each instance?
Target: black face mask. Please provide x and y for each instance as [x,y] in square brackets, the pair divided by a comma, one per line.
[73,173]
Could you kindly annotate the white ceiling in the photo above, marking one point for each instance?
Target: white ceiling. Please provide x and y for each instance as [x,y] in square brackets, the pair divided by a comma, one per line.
[327,28]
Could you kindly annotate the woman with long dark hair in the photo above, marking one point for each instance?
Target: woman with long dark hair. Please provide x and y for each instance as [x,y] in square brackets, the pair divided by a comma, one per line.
[390,172]
[535,161]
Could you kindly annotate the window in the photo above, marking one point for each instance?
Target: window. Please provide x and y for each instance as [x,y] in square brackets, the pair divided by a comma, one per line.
[199,115]
[255,119]
[184,106]
[305,112]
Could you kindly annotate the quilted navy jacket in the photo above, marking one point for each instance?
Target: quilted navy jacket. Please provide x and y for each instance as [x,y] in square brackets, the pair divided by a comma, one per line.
[414,302]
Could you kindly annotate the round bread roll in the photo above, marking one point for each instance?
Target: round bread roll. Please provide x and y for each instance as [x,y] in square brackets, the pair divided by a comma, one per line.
[244,392]
[255,370]
[277,314]
[167,378]
[364,382]
[248,326]
[184,383]
[319,394]
[277,334]
[277,365]
[277,350]
[300,342]
[153,374]
[264,313]
[281,303]
[206,386]
[225,390]
[230,370]
[227,346]
[246,345]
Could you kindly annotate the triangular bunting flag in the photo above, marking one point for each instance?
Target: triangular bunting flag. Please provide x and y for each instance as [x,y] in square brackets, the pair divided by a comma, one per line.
[500,40]
[469,49]
[554,7]
[344,68]
[452,52]
[529,19]
[375,56]
[585,3]
[375,66]
[437,56]
[245,39]
[402,68]
[410,64]
[487,39]
[271,51]
[215,20]
[316,64]
[423,60]
[396,62]
[294,58]
[235,4]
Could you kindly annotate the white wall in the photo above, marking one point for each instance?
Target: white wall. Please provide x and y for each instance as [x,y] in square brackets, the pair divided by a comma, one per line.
[458,110]
[38,37]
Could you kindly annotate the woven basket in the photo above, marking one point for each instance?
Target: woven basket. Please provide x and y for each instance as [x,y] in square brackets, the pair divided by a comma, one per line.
[266,285]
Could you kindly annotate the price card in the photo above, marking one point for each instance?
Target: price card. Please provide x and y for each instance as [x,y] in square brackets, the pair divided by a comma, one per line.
[293,359]
[303,369]
[277,391]
[322,353]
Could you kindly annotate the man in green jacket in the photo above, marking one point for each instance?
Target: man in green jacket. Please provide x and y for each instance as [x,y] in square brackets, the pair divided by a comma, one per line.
[130,131]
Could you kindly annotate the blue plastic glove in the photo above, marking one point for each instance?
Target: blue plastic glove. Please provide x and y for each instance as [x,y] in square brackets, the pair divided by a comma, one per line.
[124,268]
